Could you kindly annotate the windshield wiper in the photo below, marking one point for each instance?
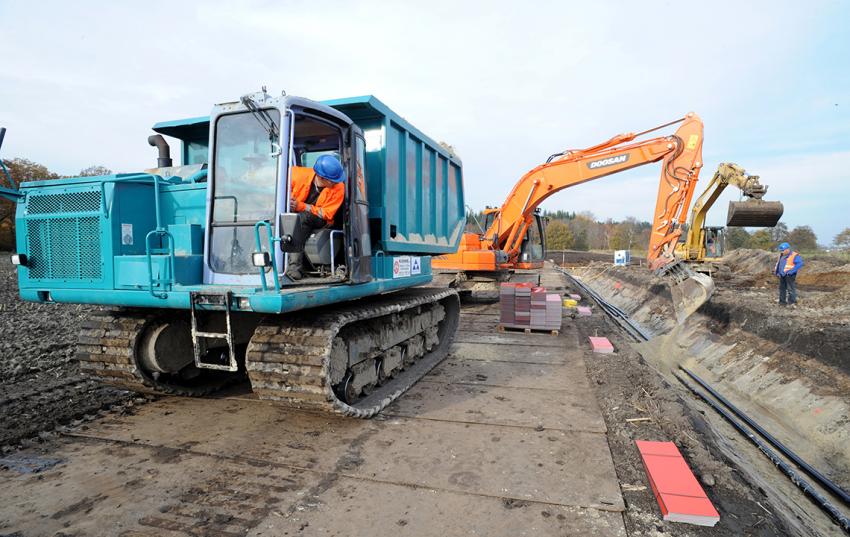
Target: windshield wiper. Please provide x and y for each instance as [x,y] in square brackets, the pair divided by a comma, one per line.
[262,117]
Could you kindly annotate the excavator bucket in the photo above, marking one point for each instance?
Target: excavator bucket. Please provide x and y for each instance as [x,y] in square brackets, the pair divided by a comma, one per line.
[754,213]
[690,293]
[688,289]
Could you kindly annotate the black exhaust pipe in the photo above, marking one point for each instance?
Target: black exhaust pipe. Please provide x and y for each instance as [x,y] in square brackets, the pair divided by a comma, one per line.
[164,157]
[2,135]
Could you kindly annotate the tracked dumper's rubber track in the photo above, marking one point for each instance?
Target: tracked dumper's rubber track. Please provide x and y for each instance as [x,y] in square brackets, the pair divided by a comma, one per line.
[107,347]
[289,358]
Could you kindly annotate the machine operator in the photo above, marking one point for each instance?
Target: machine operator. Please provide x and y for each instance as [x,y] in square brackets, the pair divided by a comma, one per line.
[317,194]
[787,266]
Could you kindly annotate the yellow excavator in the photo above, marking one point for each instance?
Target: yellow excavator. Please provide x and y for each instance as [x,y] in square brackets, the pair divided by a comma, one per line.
[707,243]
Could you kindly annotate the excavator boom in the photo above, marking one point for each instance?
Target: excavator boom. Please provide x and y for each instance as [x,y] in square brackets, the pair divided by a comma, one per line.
[499,246]
[754,212]
[502,245]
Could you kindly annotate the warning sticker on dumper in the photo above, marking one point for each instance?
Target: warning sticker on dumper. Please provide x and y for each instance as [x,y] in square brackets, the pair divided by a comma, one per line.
[401,266]
[415,265]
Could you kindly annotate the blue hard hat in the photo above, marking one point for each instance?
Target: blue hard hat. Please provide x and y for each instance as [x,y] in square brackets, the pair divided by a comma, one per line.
[328,167]
[784,246]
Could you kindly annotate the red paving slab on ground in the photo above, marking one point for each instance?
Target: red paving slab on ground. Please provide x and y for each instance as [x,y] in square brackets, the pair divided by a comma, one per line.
[679,495]
[601,345]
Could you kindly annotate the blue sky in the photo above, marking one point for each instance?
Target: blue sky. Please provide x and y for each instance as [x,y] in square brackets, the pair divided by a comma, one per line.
[507,85]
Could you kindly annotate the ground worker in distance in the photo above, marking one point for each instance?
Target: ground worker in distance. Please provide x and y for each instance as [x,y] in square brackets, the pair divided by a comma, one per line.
[786,268]
[317,194]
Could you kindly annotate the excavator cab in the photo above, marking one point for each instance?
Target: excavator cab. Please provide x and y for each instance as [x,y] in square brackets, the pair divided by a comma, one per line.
[714,241]
[533,249]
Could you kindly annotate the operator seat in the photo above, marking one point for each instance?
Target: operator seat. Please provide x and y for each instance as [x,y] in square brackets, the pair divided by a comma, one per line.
[317,247]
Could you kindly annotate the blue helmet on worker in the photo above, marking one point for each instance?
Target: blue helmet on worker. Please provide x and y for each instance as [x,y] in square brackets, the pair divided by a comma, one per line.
[329,167]
[784,246]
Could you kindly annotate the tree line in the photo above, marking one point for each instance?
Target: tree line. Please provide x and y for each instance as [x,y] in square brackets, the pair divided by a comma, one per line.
[583,231]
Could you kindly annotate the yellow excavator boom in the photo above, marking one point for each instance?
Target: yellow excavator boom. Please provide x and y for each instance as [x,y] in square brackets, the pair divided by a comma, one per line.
[754,212]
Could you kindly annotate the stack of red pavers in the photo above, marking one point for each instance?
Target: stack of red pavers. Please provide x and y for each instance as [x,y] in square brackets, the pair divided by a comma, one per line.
[521,305]
[507,304]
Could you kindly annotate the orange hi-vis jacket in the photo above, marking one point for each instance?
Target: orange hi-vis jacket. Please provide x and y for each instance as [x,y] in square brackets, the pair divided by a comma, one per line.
[330,198]
[792,264]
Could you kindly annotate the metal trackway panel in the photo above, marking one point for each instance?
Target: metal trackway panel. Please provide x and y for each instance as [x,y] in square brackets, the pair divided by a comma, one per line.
[503,438]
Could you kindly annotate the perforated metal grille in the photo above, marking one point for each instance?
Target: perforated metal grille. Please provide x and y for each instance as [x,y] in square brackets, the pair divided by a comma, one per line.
[64,248]
[68,202]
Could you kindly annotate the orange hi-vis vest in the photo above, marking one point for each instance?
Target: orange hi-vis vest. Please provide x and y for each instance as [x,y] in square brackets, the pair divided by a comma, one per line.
[789,263]
[330,198]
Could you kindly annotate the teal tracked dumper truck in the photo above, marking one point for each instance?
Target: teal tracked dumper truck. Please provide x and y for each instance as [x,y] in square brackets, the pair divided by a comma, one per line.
[193,257]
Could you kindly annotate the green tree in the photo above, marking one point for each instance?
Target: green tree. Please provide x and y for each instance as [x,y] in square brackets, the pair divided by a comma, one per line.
[842,240]
[761,240]
[94,171]
[737,237]
[474,219]
[779,233]
[559,236]
[580,240]
[803,238]
[621,237]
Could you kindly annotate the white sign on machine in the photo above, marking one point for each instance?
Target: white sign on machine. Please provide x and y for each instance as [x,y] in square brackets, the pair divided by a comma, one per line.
[401,266]
[127,234]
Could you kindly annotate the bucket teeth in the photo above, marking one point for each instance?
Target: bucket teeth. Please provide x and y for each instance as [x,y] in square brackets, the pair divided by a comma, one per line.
[754,213]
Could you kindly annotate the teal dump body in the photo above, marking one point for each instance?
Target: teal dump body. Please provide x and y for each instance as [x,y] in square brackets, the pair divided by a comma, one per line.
[137,240]
[415,186]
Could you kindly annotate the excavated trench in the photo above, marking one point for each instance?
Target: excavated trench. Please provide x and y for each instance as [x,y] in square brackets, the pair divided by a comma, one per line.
[788,368]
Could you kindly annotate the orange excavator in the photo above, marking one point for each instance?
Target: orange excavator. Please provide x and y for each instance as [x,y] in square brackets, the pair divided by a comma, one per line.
[512,236]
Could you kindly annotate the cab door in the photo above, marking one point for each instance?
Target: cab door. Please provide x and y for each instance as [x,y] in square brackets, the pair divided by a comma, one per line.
[533,250]
[358,240]
[246,184]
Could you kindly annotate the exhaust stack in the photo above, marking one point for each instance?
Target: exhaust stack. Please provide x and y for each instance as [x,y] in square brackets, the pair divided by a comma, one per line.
[164,156]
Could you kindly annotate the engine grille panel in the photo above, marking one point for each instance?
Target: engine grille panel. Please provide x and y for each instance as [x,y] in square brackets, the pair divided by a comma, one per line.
[66,202]
[64,247]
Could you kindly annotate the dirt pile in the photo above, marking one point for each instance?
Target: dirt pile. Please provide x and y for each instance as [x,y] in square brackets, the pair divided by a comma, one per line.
[40,382]
[748,268]
[751,262]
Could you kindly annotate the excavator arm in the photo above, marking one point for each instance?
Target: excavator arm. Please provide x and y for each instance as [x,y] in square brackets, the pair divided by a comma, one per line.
[680,152]
[754,212]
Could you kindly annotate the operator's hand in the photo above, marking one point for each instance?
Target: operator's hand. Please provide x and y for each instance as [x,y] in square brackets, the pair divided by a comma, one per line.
[293,204]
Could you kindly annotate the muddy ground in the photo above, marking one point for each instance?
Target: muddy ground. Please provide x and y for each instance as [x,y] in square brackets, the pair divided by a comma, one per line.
[40,382]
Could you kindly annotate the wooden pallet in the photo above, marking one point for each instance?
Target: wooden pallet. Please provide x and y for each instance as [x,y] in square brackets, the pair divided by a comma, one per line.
[527,329]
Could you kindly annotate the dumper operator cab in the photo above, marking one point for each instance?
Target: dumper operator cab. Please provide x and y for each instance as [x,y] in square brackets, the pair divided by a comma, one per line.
[255,143]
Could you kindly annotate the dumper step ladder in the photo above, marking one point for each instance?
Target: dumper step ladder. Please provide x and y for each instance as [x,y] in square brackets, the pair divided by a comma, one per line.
[200,337]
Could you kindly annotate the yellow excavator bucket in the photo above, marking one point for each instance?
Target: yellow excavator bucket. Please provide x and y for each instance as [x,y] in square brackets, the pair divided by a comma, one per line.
[754,213]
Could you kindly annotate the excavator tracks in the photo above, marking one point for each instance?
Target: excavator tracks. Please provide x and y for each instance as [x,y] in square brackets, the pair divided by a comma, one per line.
[352,359]
[306,361]
[107,347]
